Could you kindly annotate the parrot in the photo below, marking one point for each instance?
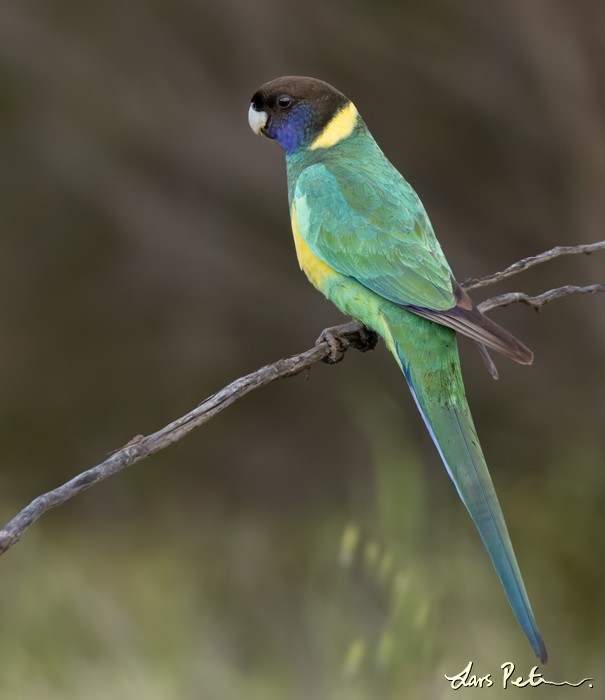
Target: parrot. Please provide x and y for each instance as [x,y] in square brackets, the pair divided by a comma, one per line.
[364,240]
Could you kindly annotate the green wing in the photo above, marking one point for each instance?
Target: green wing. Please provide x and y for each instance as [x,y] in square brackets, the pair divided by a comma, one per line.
[370,225]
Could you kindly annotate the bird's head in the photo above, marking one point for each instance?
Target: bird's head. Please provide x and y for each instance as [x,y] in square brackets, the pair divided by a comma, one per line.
[301,112]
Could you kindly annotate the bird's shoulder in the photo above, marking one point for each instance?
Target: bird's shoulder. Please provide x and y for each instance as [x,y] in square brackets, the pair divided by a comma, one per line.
[361,217]
[359,182]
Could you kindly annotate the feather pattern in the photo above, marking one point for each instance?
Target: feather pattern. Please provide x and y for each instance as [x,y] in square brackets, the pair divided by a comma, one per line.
[343,253]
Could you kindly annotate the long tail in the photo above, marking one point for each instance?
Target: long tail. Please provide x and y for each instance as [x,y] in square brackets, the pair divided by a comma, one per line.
[436,384]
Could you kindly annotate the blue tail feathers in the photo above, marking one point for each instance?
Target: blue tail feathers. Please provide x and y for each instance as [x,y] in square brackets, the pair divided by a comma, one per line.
[452,430]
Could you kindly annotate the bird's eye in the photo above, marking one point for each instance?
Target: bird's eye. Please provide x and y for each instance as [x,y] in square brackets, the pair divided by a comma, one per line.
[284,101]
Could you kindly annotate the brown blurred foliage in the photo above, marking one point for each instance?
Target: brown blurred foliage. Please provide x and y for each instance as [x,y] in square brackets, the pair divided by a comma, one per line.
[146,260]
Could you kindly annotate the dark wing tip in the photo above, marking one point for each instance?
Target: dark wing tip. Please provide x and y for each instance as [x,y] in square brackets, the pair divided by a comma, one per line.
[489,363]
[467,318]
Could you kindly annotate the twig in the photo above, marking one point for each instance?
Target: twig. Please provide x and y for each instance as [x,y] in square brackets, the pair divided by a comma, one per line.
[537,302]
[140,447]
[530,262]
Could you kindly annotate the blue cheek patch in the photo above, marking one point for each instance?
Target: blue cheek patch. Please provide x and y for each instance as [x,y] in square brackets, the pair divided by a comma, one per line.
[289,137]
[293,130]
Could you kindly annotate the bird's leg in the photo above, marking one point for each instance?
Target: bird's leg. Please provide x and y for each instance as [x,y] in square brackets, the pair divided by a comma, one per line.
[340,338]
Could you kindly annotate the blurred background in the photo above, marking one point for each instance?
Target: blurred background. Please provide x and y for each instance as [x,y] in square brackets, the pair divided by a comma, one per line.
[307,543]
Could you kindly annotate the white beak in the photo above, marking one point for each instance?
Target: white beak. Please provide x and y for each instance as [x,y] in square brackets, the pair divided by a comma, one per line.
[257,120]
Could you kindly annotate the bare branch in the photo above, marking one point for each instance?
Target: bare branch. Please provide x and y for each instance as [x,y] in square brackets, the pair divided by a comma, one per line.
[539,301]
[530,262]
[350,334]
[140,447]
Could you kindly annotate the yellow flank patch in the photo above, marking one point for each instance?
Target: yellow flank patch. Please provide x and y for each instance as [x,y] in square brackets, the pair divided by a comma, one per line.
[339,127]
[316,270]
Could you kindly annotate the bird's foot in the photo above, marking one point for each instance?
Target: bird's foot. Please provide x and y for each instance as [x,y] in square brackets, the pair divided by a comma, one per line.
[337,342]
[340,338]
